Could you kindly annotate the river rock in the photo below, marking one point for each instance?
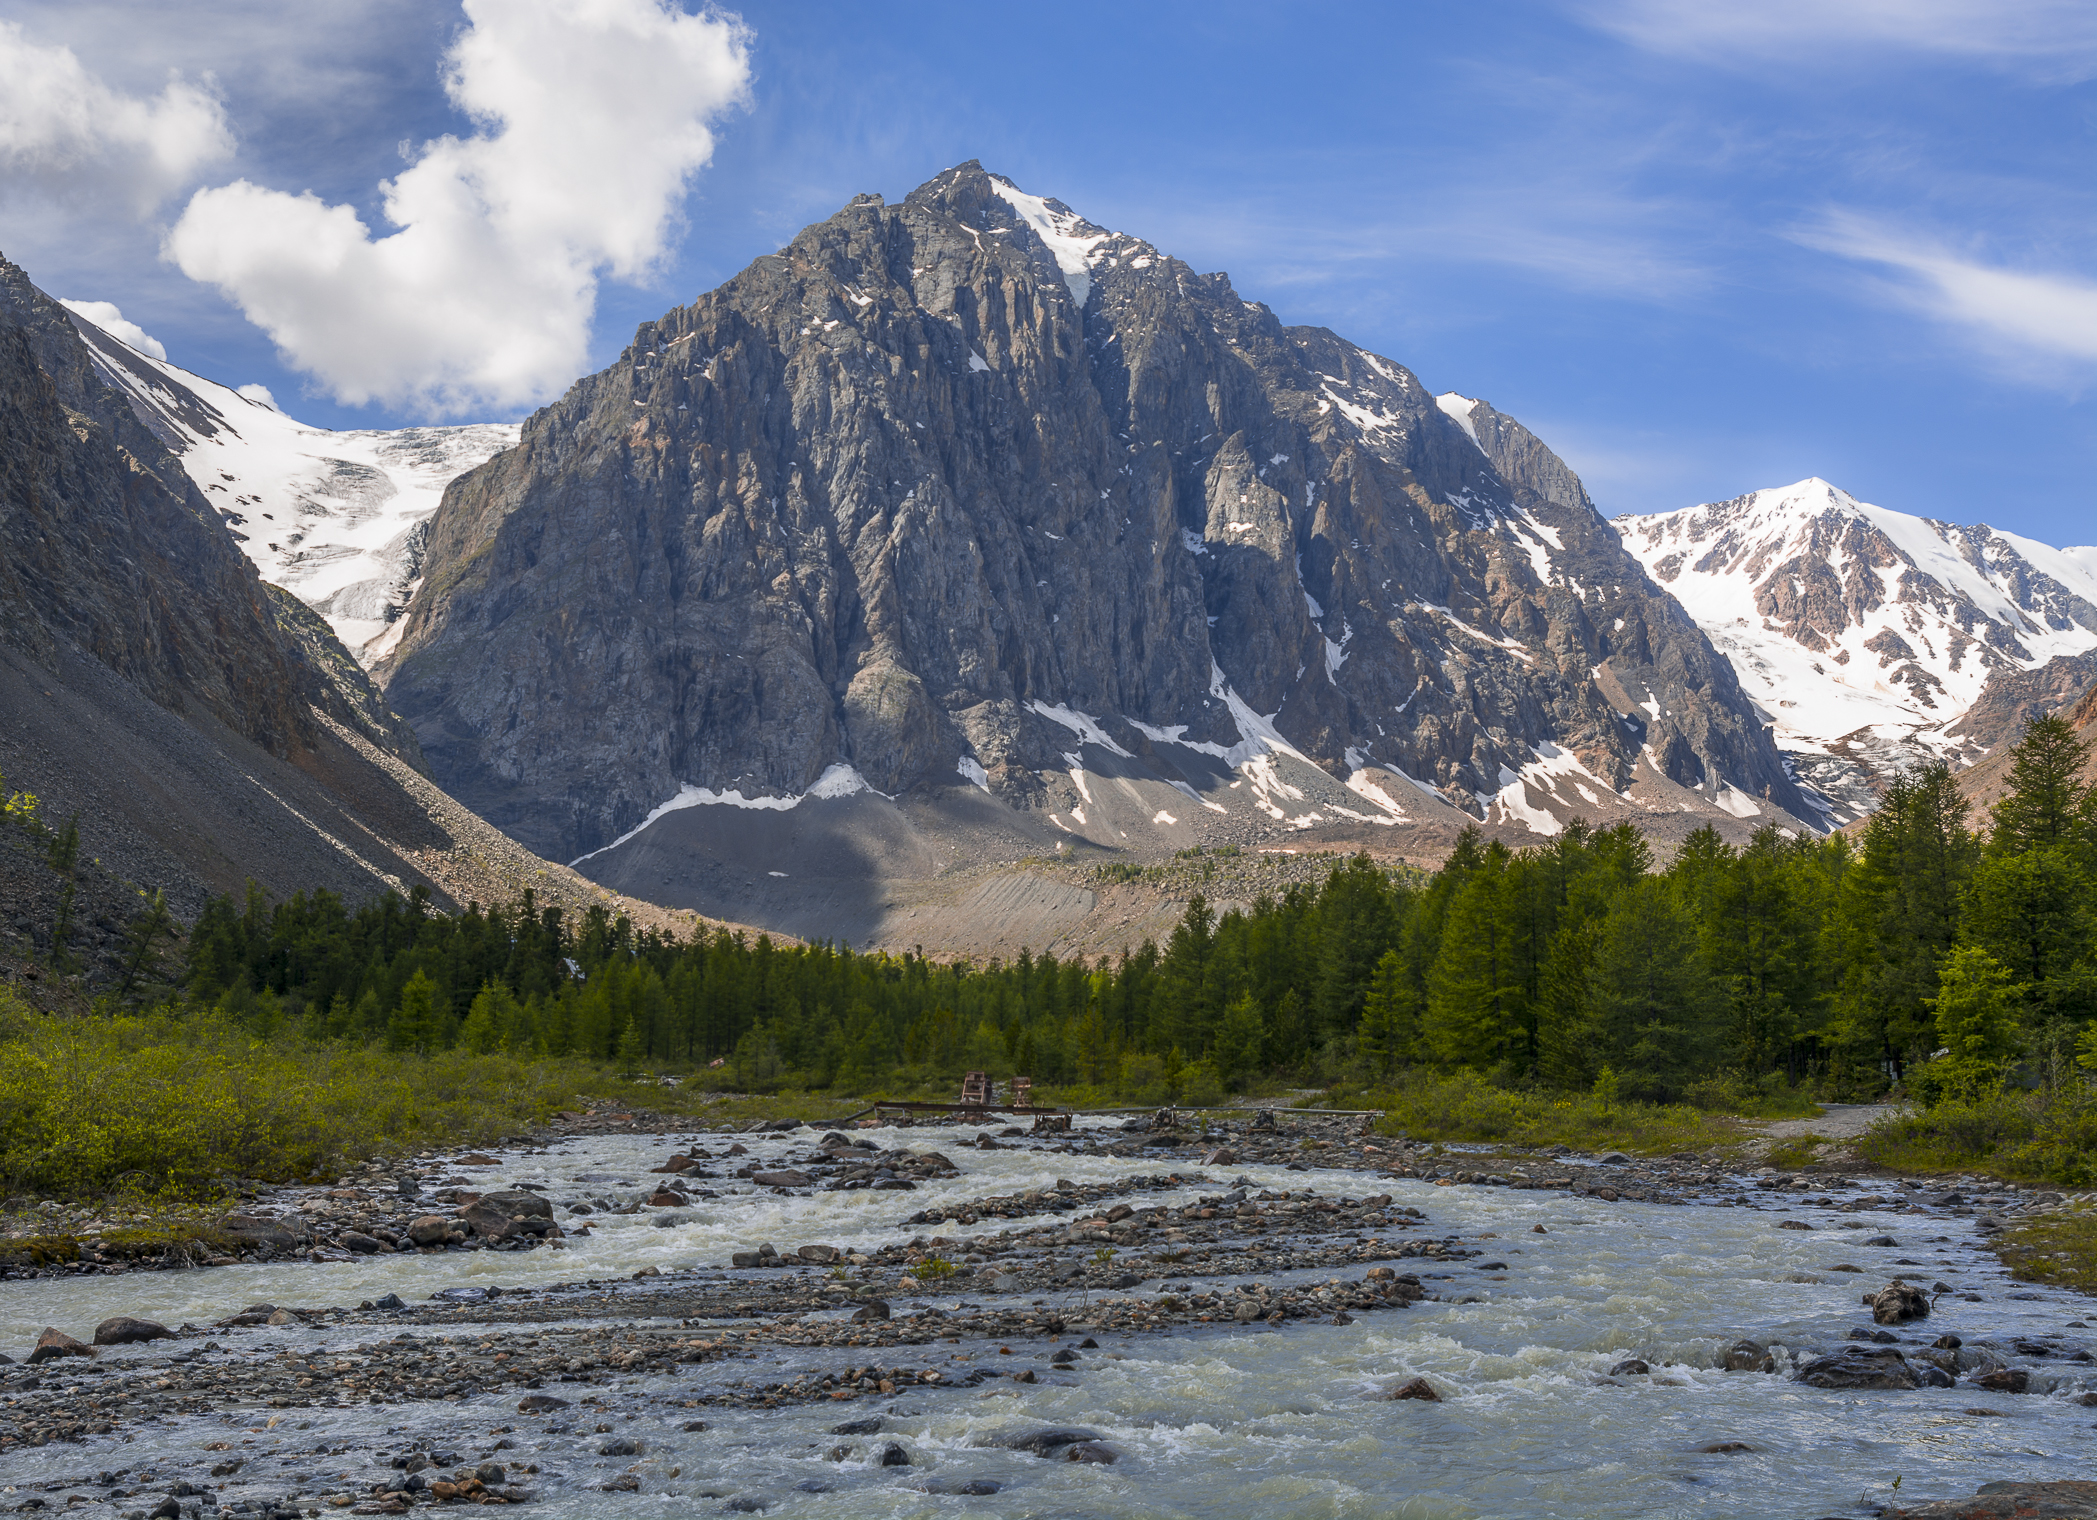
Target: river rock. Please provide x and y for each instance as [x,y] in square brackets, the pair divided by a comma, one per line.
[429,1229]
[1043,1442]
[1630,1366]
[260,1230]
[818,1254]
[1897,1303]
[53,1344]
[893,1455]
[1856,1367]
[486,1220]
[540,1403]
[783,1178]
[519,1204]
[2004,1380]
[358,1242]
[1747,1356]
[663,1198]
[871,1310]
[1089,1451]
[622,1446]
[1413,1388]
[125,1331]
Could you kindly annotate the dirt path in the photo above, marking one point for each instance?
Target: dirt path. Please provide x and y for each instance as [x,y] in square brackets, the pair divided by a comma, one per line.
[1837,1121]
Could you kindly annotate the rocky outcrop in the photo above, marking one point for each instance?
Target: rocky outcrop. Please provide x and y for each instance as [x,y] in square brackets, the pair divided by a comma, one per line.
[969,490]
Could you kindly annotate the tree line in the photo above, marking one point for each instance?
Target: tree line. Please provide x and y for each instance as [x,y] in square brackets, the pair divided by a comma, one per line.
[1934,948]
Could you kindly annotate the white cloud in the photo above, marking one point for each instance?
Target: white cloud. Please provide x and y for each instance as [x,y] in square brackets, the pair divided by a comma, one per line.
[2052,38]
[259,394]
[2047,314]
[593,116]
[65,133]
[105,315]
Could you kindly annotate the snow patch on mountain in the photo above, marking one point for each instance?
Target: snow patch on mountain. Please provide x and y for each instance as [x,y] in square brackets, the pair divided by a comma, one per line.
[1074,249]
[1459,409]
[336,518]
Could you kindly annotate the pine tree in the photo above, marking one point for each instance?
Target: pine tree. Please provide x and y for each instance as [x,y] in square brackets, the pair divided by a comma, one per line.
[1655,1002]
[1474,1013]
[1898,914]
[413,1022]
[1390,1016]
[2049,804]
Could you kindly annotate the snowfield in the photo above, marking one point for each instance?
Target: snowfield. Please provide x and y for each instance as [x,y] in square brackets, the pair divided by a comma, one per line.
[336,518]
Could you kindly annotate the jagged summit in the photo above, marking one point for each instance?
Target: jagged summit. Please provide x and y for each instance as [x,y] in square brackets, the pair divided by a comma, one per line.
[1044,537]
[1873,638]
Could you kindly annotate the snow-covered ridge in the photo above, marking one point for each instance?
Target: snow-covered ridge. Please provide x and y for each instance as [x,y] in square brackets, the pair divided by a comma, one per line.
[1865,633]
[336,518]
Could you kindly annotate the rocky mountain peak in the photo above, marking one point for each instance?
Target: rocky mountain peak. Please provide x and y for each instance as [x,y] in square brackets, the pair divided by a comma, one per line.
[1874,638]
[972,496]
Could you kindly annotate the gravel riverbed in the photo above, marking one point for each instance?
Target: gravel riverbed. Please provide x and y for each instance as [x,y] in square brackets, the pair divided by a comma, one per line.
[1297,1319]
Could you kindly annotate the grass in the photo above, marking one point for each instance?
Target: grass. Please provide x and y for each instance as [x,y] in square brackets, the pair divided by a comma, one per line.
[2054,1248]
[1464,1107]
[159,1110]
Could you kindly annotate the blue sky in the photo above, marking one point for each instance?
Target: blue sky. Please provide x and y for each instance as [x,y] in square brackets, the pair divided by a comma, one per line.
[1698,252]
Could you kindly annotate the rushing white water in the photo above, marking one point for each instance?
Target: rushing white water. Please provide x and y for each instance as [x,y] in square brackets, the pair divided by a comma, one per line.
[1253,1421]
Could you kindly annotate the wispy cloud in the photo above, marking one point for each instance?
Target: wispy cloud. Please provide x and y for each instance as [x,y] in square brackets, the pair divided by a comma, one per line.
[66,134]
[2048,315]
[593,117]
[2053,39]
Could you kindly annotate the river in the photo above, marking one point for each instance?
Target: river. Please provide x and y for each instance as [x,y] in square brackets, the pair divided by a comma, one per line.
[1225,1422]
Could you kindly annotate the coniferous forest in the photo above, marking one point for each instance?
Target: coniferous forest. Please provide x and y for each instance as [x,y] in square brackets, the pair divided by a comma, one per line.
[1940,951]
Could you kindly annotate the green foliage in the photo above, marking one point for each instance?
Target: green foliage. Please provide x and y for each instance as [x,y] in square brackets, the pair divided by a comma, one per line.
[2053,1248]
[169,1103]
[1464,1106]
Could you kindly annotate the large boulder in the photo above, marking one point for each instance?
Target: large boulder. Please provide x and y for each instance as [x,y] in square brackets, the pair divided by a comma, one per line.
[53,1344]
[485,1220]
[519,1204]
[429,1229]
[125,1331]
[1897,1303]
[1860,1367]
[2056,1499]
[785,1177]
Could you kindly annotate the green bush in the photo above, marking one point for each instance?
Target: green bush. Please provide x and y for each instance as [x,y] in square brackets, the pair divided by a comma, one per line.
[168,1106]
[2028,1135]
[1463,1106]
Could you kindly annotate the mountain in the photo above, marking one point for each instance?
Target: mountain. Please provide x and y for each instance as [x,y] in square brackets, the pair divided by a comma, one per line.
[206,728]
[336,518]
[1873,638]
[966,528]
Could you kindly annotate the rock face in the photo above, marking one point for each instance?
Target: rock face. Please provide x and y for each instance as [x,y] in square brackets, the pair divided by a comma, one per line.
[206,727]
[970,500]
[105,545]
[1873,638]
